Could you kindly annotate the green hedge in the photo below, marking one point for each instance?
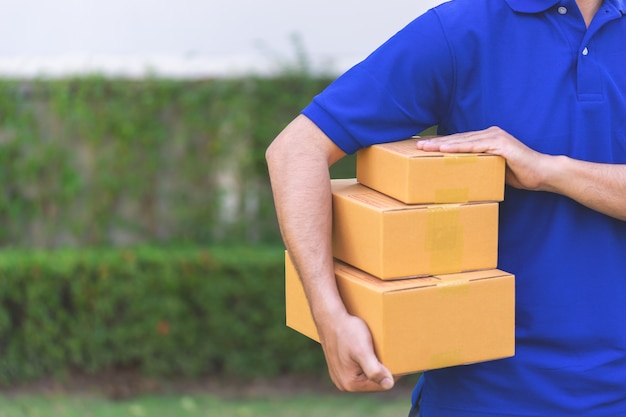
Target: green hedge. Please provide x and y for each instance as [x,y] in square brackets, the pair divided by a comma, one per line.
[162,311]
[99,161]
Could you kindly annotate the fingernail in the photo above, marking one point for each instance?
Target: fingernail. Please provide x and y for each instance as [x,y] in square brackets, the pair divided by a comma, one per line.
[386,383]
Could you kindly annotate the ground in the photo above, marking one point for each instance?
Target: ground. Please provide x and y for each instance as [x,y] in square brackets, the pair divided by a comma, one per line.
[121,385]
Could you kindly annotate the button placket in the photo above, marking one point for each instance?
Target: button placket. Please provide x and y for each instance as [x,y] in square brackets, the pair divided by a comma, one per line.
[589,79]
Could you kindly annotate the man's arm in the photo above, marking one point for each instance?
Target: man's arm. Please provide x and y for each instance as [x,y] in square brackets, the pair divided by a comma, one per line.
[298,161]
[601,187]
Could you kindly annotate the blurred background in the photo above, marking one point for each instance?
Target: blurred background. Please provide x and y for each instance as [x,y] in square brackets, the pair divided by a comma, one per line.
[191,38]
[139,250]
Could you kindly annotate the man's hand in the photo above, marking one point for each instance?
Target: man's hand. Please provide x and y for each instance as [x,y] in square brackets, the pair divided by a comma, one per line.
[526,168]
[601,187]
[349,352]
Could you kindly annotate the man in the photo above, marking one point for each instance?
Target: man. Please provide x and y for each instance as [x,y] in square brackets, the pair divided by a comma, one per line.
[550,75]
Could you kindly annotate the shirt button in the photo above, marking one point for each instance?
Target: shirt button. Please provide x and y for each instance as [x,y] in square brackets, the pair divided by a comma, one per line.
[562,10]
[585,51]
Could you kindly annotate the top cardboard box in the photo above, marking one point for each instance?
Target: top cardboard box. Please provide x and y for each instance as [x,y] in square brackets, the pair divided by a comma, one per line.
[401,171]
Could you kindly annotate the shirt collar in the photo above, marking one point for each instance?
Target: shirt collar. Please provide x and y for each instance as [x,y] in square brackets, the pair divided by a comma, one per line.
[538,6]
[532,6]
[619,5]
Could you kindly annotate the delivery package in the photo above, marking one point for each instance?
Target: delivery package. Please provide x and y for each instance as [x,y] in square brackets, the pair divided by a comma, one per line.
[422,323]
[393,240]
[412,176]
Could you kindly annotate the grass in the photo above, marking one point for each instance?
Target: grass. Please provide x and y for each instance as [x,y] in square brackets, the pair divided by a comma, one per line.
[131,395]
[63,405]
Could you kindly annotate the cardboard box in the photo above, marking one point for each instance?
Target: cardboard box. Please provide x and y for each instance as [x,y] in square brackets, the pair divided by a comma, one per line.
[405,173]
[392,240]
[421,323]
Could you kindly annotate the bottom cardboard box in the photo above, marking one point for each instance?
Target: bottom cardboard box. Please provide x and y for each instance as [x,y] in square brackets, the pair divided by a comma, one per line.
[422,323]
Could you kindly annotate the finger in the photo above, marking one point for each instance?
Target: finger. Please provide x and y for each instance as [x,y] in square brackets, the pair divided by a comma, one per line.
[469,146]
[434,143]
[377,373]
[476,145]
[462,136]
[362,384]
[490,133]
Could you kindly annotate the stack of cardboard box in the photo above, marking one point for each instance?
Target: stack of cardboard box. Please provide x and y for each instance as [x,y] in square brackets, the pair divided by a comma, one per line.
[415,242]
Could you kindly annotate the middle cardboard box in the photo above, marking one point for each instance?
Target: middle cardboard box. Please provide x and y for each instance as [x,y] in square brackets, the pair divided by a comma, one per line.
[392,240]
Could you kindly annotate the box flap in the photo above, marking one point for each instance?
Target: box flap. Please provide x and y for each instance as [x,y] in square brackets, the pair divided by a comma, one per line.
[473,275]
[359,193]
[411,283]
[383,286]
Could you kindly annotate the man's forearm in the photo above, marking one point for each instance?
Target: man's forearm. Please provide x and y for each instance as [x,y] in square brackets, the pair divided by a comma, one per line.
[300,180]
[601,187]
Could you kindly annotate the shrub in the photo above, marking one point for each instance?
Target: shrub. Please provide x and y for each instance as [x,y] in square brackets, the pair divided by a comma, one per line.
[163,311]
[99,161]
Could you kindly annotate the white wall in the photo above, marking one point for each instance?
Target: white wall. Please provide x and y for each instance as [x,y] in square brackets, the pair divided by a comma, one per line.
[191,38]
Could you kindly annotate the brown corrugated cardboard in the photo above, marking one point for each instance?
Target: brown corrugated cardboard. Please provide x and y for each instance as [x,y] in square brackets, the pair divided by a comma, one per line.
[421,323]
[392,240]
[403,172]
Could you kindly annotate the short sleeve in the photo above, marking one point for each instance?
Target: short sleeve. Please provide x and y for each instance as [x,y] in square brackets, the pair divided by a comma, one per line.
[401,89]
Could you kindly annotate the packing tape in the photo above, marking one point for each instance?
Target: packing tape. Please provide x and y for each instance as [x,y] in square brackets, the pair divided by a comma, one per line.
[444,238]
[456,287]
[460,158]
[452,195]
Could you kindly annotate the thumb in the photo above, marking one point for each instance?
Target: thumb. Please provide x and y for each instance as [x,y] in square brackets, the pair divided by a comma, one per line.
[378,373]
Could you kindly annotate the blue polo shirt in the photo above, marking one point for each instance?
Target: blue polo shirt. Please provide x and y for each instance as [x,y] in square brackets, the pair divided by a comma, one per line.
[532,68]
